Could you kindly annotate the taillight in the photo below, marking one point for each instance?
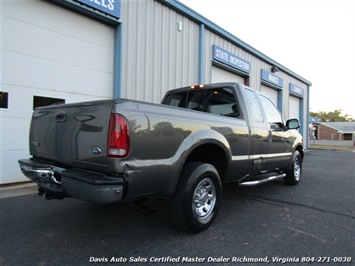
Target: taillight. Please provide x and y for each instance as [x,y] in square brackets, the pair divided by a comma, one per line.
[118,137]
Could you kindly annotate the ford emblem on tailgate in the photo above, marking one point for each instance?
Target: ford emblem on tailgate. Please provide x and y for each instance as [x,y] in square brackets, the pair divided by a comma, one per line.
[95,150]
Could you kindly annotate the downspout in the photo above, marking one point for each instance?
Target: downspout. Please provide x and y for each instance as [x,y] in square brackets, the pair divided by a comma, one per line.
[307,127]
[117,62]
[201,55]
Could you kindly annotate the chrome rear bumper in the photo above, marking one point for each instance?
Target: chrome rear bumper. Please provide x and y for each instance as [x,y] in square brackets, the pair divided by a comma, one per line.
[58,183]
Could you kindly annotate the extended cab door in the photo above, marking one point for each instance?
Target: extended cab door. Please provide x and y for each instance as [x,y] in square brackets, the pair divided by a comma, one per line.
[279,138]
[259,134]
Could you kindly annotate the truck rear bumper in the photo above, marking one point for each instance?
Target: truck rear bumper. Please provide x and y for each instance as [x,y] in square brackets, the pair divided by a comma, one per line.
[59,183]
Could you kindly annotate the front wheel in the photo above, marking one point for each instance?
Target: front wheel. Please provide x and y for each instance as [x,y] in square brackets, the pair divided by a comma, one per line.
[293,176]
[196,201]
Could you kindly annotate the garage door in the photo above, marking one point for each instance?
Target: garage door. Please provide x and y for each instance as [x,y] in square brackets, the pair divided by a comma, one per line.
[221,75]
[294,107]
[47,52]
[270,93]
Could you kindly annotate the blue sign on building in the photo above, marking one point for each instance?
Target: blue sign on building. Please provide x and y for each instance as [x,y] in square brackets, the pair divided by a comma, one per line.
[271,78]
[110,7]
[223,56]
[296,90]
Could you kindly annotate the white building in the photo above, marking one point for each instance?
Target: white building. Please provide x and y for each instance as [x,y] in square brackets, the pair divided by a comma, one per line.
[69,51]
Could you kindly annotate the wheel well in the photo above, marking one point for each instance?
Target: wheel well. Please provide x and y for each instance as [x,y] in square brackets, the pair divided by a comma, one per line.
[300,150]
[212,154]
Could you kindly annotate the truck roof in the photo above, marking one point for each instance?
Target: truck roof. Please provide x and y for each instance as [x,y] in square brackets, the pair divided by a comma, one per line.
[206,86]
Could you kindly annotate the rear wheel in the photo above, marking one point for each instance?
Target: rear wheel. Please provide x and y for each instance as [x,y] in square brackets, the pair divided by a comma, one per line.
[196,201]
[293,176]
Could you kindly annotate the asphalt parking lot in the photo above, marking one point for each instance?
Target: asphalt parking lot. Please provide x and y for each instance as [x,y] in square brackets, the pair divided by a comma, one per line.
[312,222]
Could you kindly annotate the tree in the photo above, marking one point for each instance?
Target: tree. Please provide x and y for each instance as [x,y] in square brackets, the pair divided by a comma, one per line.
[335,116]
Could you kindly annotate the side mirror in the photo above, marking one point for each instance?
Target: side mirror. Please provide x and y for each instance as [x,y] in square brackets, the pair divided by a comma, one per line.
[293,123]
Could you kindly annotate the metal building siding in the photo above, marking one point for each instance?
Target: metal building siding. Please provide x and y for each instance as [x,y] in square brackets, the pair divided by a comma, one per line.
[211,39]
[157,56]
[256,64]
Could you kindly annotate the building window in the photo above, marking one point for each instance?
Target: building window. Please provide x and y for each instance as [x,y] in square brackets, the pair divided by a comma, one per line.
[4,100]
[39,101]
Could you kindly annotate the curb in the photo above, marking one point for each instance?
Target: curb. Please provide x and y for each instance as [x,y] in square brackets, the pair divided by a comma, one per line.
[14,190]
[329,147]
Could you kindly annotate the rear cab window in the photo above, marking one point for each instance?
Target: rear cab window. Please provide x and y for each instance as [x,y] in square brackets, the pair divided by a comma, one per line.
[219,101]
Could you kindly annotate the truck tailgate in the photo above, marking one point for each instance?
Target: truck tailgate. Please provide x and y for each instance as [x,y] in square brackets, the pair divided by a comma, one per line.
[72,134]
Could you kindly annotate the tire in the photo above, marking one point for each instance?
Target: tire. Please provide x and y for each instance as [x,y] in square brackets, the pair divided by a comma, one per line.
[293,176]
[197,198]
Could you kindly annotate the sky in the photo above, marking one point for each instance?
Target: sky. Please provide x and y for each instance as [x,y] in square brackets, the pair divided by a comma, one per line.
[313,38]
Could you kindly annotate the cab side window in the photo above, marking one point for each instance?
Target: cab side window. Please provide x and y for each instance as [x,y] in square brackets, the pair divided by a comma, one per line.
[254,106]
[273,116]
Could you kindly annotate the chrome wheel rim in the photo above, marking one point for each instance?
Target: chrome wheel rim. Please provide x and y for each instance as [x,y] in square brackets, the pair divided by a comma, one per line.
[204,198]
[297,169]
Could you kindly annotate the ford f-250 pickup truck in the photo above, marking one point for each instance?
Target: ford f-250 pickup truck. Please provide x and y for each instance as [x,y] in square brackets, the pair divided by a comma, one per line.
[199,137]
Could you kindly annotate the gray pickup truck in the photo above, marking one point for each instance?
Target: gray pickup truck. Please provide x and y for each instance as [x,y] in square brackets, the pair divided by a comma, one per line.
[199,137]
